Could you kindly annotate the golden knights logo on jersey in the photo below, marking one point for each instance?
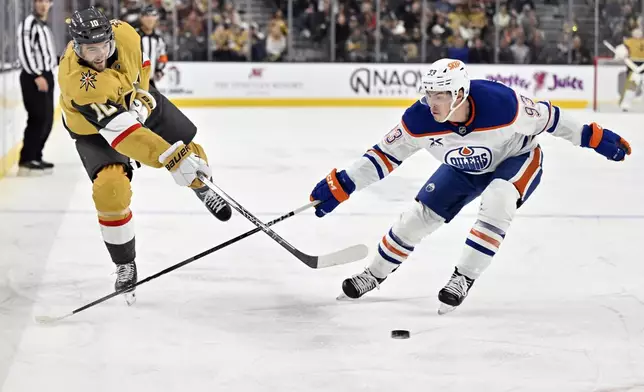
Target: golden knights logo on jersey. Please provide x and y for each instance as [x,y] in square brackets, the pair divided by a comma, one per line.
[88,79]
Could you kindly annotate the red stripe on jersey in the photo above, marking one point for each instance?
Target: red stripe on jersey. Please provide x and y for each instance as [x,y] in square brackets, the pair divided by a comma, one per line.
[125,134]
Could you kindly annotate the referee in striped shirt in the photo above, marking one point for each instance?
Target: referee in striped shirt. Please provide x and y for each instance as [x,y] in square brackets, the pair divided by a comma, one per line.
[38,58]
[152,45]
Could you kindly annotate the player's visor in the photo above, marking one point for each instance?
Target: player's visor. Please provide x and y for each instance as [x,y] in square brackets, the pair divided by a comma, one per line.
[438,97]
[97,51]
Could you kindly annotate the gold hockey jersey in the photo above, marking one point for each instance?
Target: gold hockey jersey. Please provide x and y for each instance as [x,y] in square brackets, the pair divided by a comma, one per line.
[97,102]
[635,48]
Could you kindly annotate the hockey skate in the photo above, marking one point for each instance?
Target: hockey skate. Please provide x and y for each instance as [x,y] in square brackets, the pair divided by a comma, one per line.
[454,292]
[125,276]
[215,204]
[358,285]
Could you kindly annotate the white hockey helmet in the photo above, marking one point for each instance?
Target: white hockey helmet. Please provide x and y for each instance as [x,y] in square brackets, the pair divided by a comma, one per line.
[447,75]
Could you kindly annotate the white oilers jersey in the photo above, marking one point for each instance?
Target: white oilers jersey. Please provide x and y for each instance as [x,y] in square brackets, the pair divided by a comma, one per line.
[502,124]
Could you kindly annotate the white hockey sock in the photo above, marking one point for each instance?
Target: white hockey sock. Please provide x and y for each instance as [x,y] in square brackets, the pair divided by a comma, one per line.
[396,246]
[627,100]
[481,245]
[498,206]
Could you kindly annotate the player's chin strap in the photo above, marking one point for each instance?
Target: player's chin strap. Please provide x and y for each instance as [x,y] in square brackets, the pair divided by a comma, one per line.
[452,110]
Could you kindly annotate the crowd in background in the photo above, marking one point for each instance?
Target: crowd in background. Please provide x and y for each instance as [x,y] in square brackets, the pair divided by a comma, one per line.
[469,30]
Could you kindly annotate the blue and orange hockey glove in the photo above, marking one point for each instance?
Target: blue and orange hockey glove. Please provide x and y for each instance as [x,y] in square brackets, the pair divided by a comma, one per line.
[605,142]
[332,191]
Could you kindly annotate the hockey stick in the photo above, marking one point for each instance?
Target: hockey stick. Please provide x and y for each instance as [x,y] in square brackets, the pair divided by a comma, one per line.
[53,319]
[343,256]
[629,63]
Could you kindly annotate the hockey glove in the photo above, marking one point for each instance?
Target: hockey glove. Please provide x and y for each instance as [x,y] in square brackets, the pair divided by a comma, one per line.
[183,164]
[142,105]
[332,191]
[605,142]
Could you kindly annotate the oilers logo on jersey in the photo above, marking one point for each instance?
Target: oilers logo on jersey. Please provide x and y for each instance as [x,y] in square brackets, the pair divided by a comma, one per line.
[469,159]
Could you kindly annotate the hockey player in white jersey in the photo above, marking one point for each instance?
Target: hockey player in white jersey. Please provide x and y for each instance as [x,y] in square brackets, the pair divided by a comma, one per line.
[485,135]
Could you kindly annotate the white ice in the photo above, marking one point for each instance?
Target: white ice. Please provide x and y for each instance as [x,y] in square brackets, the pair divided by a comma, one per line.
[560,309]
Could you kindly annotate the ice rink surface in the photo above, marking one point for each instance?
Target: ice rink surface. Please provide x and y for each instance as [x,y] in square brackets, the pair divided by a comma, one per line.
[560,309]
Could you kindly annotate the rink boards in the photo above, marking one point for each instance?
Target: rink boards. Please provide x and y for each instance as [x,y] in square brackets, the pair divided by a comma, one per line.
[191,84]
[355,85]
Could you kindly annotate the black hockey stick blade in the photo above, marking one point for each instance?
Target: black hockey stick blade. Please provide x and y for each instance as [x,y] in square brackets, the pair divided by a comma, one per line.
[343,256]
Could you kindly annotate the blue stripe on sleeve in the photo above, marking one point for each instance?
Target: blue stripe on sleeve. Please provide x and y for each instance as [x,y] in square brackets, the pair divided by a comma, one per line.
[378,168]
[391,158]
[555,122]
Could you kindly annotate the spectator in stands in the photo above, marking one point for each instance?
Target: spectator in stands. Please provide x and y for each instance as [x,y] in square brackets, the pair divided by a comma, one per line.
[367,17]
[391,39]
[222,40]
[342,33]
[457,50]
[580,54]
[479,53]
[457,17]
[275,43]
[478,20]
[505,54]
[539,53]
[192,39]
[130,12]
[411,15]
[257,43]
[436,50]
[240,42]
[411,53]
[520,51]
[356,46]
[466,31]
[440,27]
[502,17]
[278,18]
[563,47]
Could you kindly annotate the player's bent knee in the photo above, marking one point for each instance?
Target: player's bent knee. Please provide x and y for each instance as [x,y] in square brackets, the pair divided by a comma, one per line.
[499,203]
[416,223]
[111,190]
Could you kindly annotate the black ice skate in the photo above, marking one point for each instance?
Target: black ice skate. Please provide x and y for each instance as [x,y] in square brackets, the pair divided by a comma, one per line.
[215,204]
[454,292]
[32,169]
[360,284]
[125,276]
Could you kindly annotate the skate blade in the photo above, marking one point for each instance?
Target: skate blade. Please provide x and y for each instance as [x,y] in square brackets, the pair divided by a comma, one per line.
[130,298]
[344,297]
[25,172]
[444,309]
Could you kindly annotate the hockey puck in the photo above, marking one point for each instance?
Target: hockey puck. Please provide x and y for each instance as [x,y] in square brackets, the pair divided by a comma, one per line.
[400,334]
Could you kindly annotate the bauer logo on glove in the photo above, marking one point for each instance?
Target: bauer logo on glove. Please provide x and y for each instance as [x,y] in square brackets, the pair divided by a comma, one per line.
[177,157]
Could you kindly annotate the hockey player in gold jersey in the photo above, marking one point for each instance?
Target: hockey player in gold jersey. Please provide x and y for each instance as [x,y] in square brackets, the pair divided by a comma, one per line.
[117,120]
[632,47]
